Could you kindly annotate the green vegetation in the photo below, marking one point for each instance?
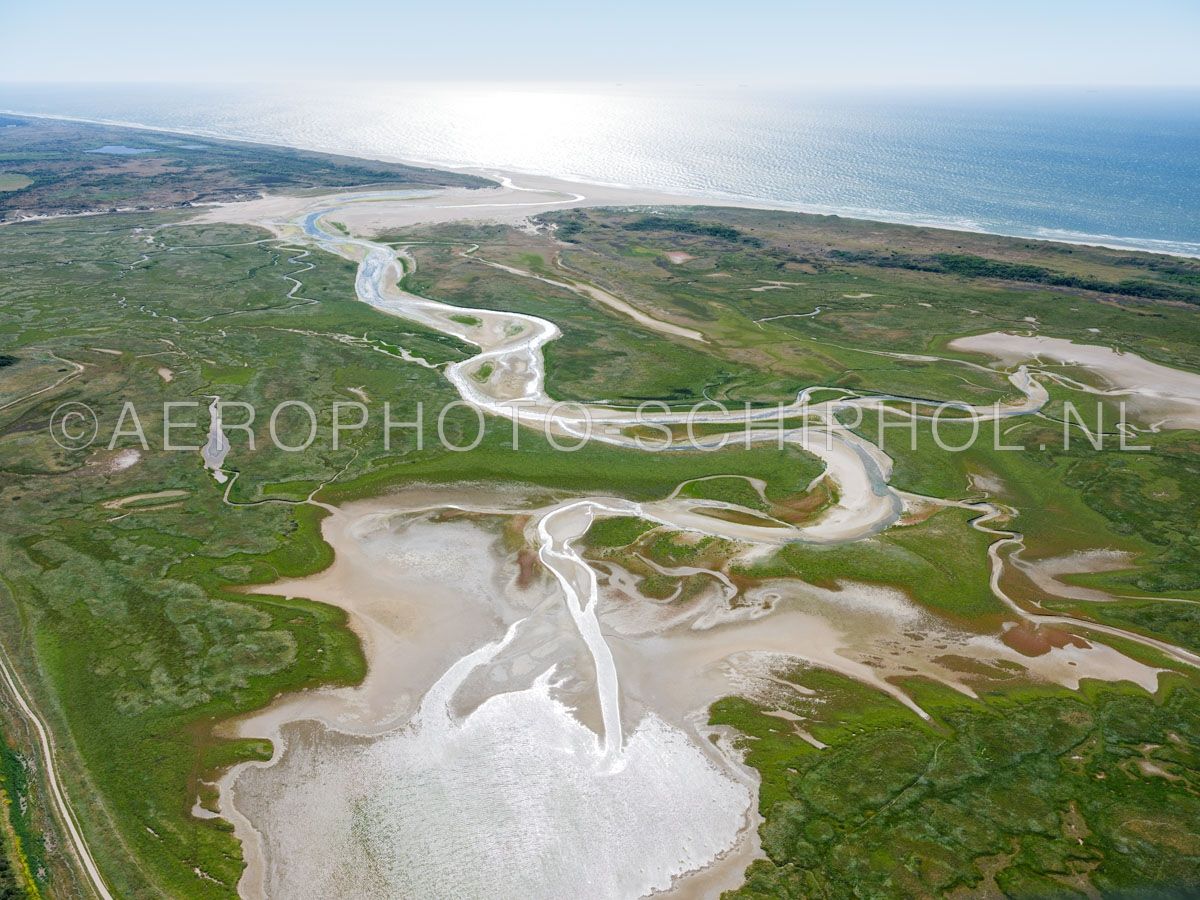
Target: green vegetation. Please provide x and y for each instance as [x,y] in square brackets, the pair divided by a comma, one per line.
[53,167]
[680,225]
[1026,793]
[842,266]
[134,617]
[638,546]
[616,531]
[940,562]
[598,356]
[1145,495]
[970,266]
[21,850]
[594,468]
[10,181]
[1078,499]
[729,489]
[131,617]
[134,628]
[602,356]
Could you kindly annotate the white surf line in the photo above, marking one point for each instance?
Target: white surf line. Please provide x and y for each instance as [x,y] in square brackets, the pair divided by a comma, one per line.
[1127,244]
[57,792]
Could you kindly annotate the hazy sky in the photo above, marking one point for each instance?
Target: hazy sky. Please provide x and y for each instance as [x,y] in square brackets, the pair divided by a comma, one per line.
[724,42]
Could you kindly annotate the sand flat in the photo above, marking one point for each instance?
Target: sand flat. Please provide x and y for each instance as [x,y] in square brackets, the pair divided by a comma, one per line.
[511,717]
[459,768]
[1156,391]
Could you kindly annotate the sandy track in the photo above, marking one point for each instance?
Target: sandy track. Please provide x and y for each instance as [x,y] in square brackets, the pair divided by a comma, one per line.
[58,794]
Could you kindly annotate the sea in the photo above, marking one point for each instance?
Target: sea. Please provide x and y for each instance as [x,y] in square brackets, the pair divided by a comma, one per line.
[1119,167]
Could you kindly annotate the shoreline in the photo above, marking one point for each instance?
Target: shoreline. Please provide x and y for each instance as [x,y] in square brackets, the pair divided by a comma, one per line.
[629,646]
[1175,248]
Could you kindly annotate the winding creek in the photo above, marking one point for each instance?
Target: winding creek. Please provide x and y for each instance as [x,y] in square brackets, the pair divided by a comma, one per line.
[495,784]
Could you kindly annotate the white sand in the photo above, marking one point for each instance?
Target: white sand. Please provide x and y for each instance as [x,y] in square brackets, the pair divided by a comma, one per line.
[1045,573]
[509,204]
[118,461]
[514,796]
[497,726]
[122,502]
[1169,396]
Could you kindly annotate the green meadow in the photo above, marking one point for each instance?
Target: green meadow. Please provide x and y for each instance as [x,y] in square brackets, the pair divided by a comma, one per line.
[1027,792]
[129,619]
[129,622]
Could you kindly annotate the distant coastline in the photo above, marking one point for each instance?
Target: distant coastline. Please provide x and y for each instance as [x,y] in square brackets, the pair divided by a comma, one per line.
[1181,248]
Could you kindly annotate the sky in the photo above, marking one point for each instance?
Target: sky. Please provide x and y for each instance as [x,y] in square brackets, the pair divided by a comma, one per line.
[730,42]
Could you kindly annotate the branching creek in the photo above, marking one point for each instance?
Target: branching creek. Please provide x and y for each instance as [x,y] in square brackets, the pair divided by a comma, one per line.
[484,752]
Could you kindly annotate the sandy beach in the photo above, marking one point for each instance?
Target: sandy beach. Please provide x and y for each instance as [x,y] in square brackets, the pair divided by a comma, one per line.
[515,199]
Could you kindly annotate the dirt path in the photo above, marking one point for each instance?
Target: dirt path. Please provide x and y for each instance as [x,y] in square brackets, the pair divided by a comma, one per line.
[62,807]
